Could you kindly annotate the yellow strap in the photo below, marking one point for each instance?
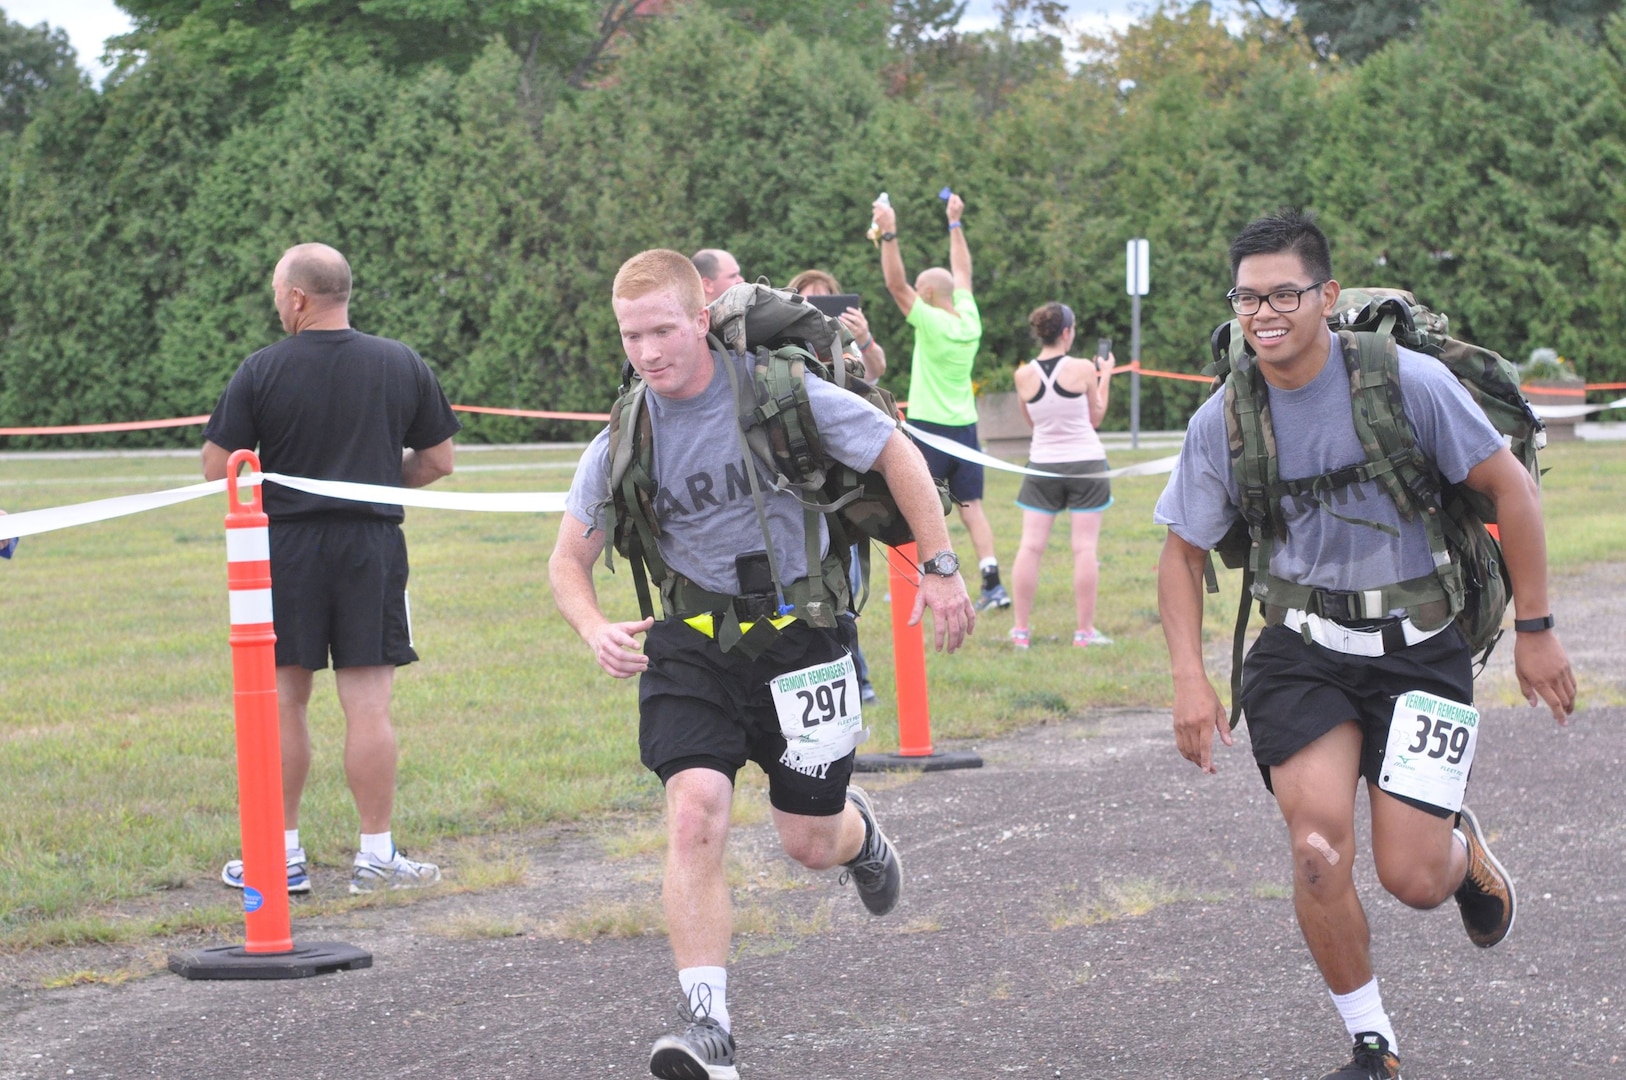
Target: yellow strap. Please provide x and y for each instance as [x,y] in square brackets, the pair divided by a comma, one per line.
[704,623]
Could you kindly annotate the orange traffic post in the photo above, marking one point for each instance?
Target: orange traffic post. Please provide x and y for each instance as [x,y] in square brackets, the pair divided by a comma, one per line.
[268,951]
[254,695]
[909,662]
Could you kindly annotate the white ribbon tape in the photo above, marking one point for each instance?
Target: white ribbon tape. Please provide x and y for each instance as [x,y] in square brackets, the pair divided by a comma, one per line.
[496,502]
[965,453]
[31,522]
[1570,412]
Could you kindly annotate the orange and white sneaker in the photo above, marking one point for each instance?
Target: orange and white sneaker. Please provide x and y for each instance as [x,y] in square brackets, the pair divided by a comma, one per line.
[1485,896]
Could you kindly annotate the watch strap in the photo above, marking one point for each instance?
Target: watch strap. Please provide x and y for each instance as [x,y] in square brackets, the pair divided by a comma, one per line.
[1533,626]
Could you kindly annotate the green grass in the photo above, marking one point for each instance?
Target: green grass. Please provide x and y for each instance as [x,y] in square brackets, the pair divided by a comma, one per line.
[117,752]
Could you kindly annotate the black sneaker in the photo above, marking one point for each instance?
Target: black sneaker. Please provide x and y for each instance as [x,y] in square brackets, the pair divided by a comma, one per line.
[1373,1060]
[1486,893]
[703,1052]
[877,872]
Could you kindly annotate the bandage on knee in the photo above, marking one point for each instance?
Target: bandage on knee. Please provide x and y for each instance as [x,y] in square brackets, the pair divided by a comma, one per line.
[1319,842]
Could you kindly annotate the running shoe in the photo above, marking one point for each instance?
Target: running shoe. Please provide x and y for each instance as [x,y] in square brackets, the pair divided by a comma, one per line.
[703,1052]
[1373,1060]
[370,874]
[1485,896]
[995,597]
[1092,636]
[866,693]
[877,872]
[1021,639]
[299,880]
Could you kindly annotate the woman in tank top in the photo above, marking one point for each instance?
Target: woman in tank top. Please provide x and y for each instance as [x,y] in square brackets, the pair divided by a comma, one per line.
[1064,398]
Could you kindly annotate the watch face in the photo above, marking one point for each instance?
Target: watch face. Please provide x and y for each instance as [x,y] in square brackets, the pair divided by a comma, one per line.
[944,564]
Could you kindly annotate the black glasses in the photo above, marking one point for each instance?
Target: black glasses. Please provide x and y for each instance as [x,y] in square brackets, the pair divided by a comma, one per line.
[1285,301]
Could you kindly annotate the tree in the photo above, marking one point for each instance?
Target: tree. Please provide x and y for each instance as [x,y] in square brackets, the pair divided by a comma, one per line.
[1351,30]
[268,46]
[1477,164]
[98,186]
[34,61]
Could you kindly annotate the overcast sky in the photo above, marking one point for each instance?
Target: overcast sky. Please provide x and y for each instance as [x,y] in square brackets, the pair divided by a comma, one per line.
[89,23]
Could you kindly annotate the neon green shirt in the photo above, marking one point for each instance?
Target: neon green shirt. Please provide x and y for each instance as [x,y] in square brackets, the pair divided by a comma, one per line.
[945,346]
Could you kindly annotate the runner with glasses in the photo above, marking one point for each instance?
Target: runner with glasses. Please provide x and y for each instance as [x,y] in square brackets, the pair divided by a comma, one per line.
[1320,691]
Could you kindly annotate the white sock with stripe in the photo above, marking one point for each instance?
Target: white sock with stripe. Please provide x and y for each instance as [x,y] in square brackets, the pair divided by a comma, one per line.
[1362,1011]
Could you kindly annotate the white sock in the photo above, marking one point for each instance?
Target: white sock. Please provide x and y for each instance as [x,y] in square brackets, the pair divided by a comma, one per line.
[290,838]
[1362,1011]
[707,991]
[990,563]
[379,845]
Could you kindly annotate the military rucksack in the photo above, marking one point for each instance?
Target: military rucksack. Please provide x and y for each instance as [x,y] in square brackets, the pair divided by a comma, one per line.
[785,338]
[1470,583]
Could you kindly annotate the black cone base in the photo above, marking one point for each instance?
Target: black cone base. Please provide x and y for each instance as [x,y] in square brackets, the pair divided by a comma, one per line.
[303,962]
[959,759]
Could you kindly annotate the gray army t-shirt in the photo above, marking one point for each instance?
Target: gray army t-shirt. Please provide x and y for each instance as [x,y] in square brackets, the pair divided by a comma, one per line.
[1315,434]
[704,500]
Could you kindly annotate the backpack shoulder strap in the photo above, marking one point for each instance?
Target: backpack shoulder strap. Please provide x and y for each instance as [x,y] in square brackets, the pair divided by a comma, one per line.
[1373,361]
[632,493]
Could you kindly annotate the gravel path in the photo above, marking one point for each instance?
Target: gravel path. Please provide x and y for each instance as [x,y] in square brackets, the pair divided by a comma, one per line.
[1085,905]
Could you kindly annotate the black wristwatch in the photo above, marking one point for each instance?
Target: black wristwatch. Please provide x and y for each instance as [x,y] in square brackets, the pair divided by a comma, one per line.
[943,564]
[888,236]
[1533,626]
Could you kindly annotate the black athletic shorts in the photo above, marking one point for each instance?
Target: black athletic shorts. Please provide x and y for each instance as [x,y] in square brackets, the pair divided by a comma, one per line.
[1079,489]
[964,477]
[699,707]
[339,585]
[1294,692]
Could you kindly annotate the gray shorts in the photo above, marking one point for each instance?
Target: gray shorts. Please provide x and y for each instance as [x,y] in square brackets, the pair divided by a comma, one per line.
[1082,491]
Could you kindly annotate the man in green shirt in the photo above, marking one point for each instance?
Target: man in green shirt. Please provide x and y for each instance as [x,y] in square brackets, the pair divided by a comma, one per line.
[948,331]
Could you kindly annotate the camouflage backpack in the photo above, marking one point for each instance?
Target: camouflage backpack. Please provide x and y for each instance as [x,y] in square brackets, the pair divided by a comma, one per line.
[786,338]
[1470,583]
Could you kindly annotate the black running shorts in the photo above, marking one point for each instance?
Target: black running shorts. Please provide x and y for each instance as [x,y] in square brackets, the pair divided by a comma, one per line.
[699,707]
[1078,489]
[339,586]
[1294,692]
[964,477]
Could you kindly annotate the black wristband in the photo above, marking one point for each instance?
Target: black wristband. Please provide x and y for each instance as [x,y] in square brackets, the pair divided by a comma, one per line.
[888,236]
[1533,626]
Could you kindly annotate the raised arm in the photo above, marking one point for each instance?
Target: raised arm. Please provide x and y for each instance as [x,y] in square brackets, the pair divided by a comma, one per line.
[869,350]
[1101,390]
[897,281]
[959,250]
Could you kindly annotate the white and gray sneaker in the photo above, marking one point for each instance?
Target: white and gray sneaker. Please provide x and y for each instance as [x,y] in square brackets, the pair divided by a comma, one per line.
[704,1051]
[371,874]
[877,872]
[299,880]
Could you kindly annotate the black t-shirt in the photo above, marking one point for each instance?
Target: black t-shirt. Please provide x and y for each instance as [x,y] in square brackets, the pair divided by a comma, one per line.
[332,405]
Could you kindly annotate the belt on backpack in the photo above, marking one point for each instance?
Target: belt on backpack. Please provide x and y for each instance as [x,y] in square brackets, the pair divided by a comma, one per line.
[706,623]
[1384,636]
